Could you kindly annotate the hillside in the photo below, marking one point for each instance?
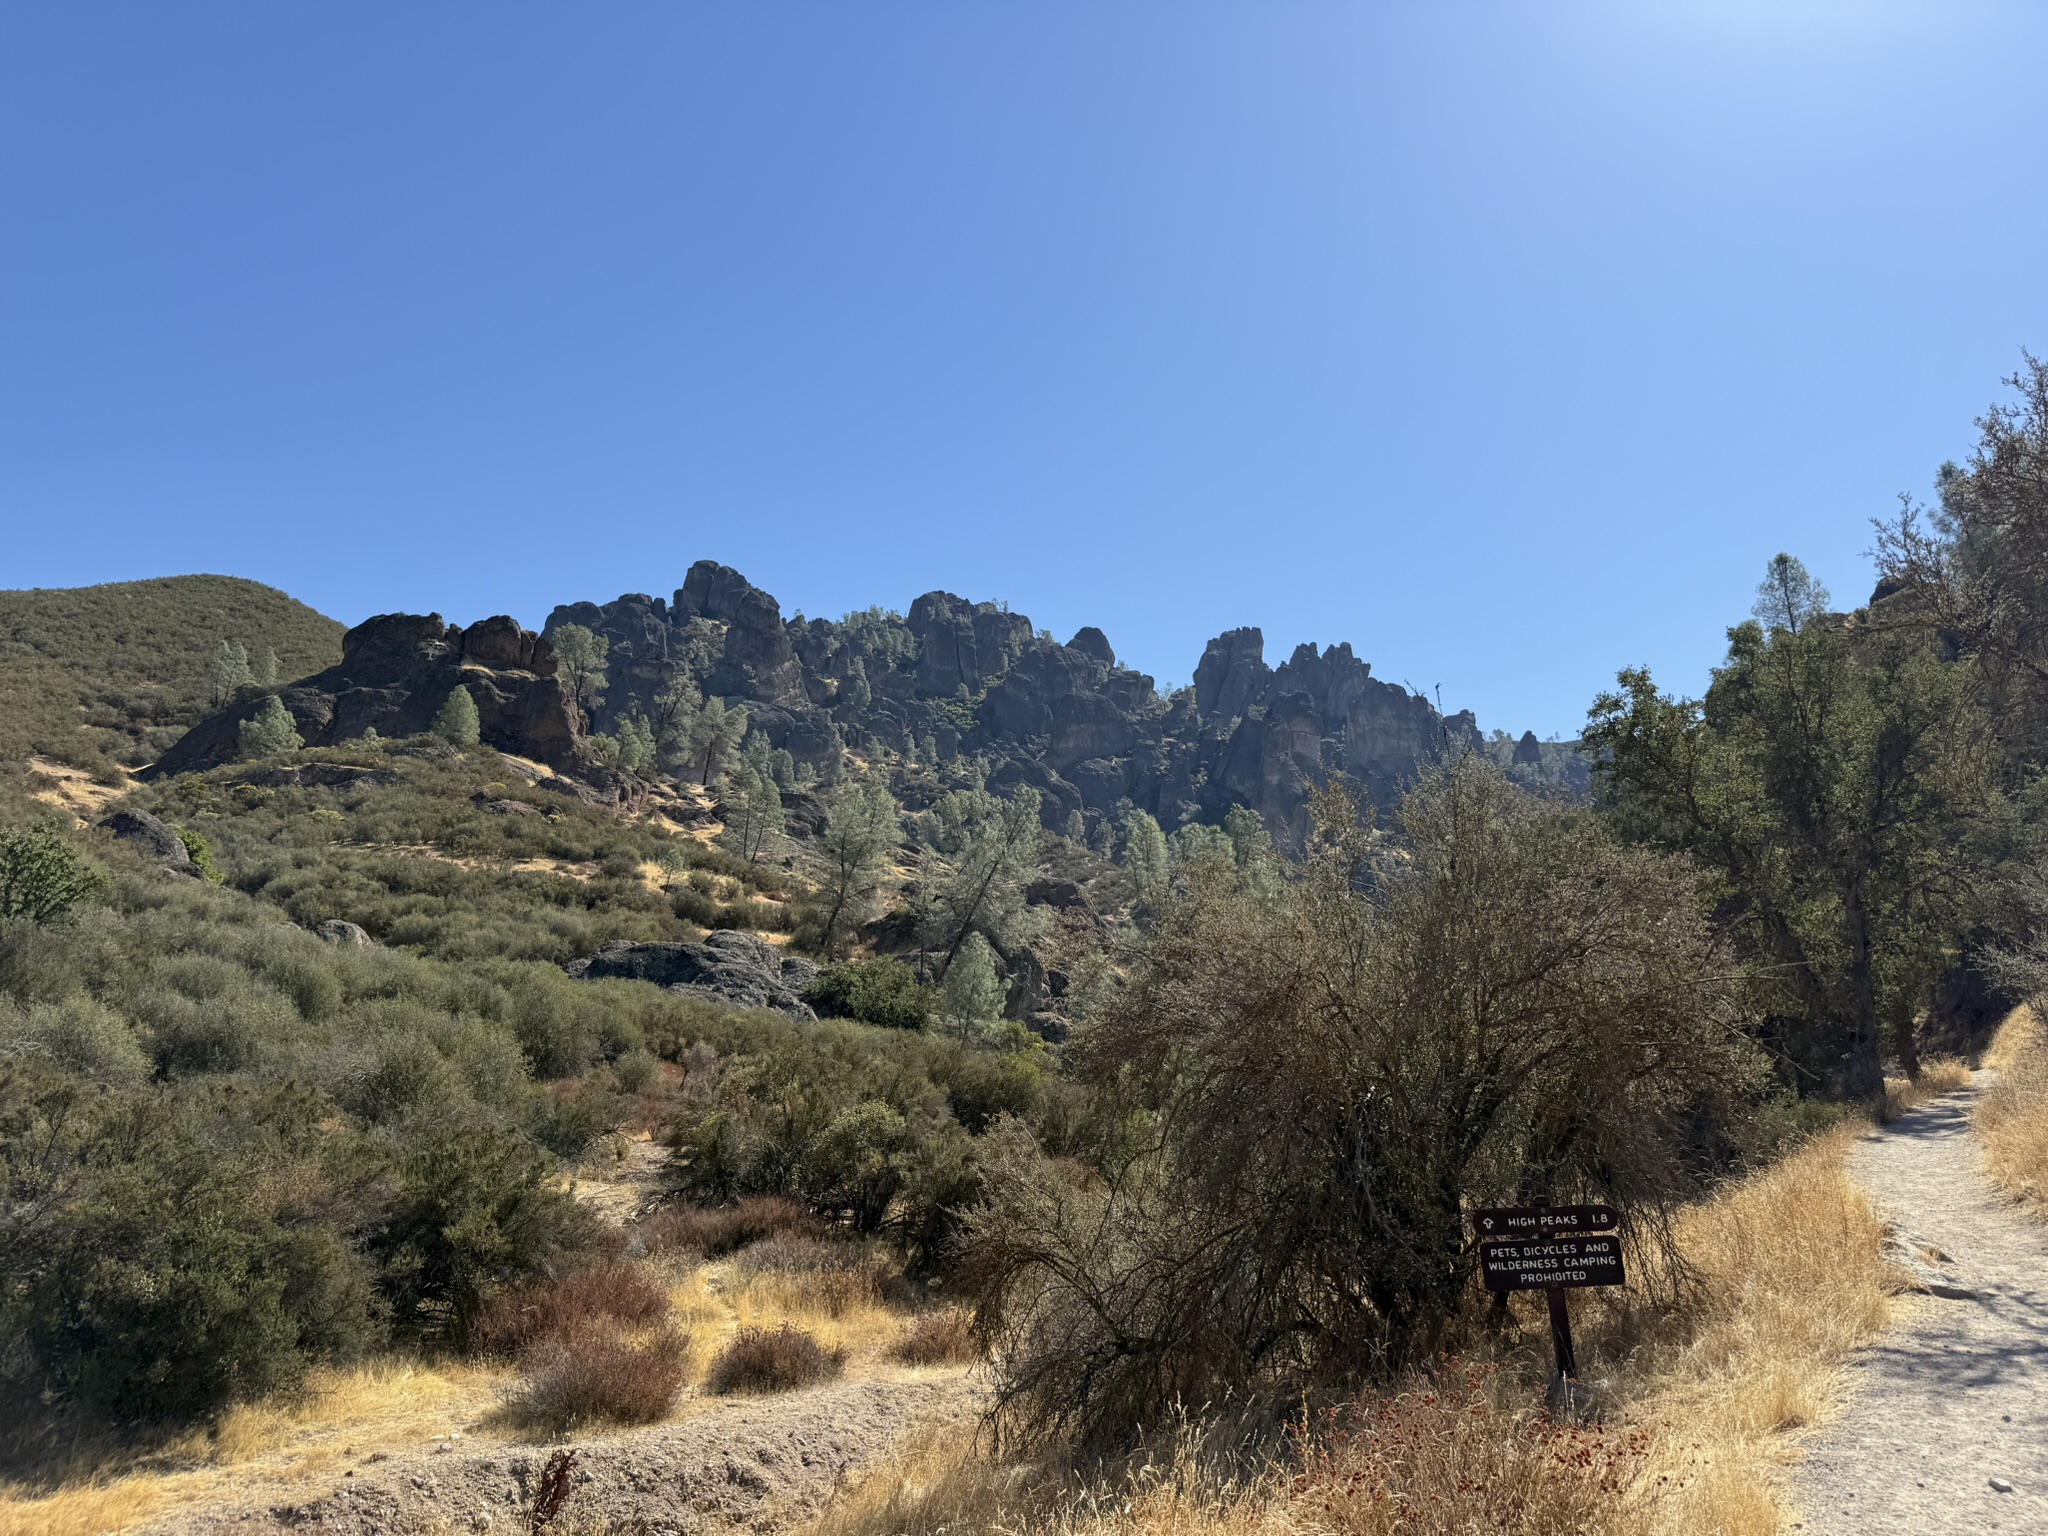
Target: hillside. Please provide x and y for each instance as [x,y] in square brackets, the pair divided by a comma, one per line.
[115,673]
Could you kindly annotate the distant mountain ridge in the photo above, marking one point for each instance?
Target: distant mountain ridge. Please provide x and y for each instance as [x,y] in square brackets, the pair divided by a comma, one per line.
[1094,738]
[949,680]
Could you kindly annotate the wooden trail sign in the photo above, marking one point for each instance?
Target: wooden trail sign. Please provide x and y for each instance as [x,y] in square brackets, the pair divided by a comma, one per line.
[1543,1220]
[1549,1263]
[1554,1249]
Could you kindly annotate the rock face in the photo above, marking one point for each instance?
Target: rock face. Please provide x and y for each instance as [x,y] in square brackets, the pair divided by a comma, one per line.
[729,967]
[346,934]
[1094,738]
[153,839]
[1091,736]
[395,672]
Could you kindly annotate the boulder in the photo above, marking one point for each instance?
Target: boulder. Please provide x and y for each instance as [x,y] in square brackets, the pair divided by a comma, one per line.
[1094,644]
[736,969]
[346,934]
[153,839]
[1232,674]
[395,673]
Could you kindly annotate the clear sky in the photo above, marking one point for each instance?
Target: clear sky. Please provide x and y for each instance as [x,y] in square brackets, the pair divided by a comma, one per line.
[1506,341]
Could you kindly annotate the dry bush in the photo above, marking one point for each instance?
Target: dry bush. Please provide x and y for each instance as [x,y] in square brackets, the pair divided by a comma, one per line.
[2012,1117]
[835,1278]
[1322,1069]
[940,1338]
[714,1231]
[1786,1276]
[1941,1076]
[516,1319]
[599,1373]
[772,1360]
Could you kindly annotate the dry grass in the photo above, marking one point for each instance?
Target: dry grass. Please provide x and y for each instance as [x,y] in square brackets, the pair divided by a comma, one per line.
[341,1417]
[2012,1117]
[1939,1076]
[940,1338]
[1707,1399]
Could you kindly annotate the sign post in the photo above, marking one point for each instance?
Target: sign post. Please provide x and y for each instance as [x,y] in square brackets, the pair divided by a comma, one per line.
[1553,1249]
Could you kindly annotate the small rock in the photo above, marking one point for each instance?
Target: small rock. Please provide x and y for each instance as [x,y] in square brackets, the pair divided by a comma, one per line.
[2000,1485]
[348,935]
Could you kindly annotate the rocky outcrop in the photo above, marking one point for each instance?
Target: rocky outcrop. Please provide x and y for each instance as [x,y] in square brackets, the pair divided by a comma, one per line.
[733,968]
[395,673]
[153,839]
[347,935]
[1090,736]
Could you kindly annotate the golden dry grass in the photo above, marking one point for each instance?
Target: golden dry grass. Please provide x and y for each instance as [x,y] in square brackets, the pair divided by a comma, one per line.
[342,1416]
[1939,1075]
[2012,1117]
[1708,1402]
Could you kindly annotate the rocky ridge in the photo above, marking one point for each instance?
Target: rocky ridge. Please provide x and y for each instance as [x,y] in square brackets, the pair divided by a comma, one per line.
[1089,734]
[951,678]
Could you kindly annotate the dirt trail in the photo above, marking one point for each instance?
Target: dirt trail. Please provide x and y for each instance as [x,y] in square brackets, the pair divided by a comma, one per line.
[1950,1407]
[755,1464]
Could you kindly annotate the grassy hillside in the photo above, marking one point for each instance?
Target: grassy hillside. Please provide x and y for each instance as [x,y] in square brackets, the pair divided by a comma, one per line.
[115,673]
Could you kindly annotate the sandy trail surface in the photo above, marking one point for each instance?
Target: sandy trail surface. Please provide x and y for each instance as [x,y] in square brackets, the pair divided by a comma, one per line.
[1949,1408]
[754,1464]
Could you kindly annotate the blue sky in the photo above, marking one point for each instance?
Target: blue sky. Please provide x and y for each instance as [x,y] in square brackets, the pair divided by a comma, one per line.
[1506,341]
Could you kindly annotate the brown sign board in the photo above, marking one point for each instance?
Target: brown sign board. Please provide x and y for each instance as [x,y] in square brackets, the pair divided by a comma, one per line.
[1545,1263]
[1543,1220]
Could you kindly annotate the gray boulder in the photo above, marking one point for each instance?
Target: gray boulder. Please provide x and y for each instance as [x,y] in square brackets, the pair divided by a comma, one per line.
[348,935]
[153,839]
[730,967]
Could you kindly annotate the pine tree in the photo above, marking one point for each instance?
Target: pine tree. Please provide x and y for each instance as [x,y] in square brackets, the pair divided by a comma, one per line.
[714,734]
[266,675]
[863,828]
[754,824]
[583,660]
[457,721]
[980,887]
[974,991]
[271,731]
[635,749]
[855,690]
[1145,860]
[230,672]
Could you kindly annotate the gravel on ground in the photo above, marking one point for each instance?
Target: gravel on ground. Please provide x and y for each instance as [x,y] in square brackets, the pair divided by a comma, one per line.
[754,1464]
[1945,1428]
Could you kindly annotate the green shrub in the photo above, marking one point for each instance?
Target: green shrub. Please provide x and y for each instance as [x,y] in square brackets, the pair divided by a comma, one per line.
[157,1285]
[201,854]
[474,1209]
[42,876]
[883,992]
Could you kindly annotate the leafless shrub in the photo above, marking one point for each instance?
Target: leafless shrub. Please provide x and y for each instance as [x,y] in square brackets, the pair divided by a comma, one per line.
[557,1481]
[516,1319]
[717,1231]
[599,1373]
[772,1360]
[1316,1074]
